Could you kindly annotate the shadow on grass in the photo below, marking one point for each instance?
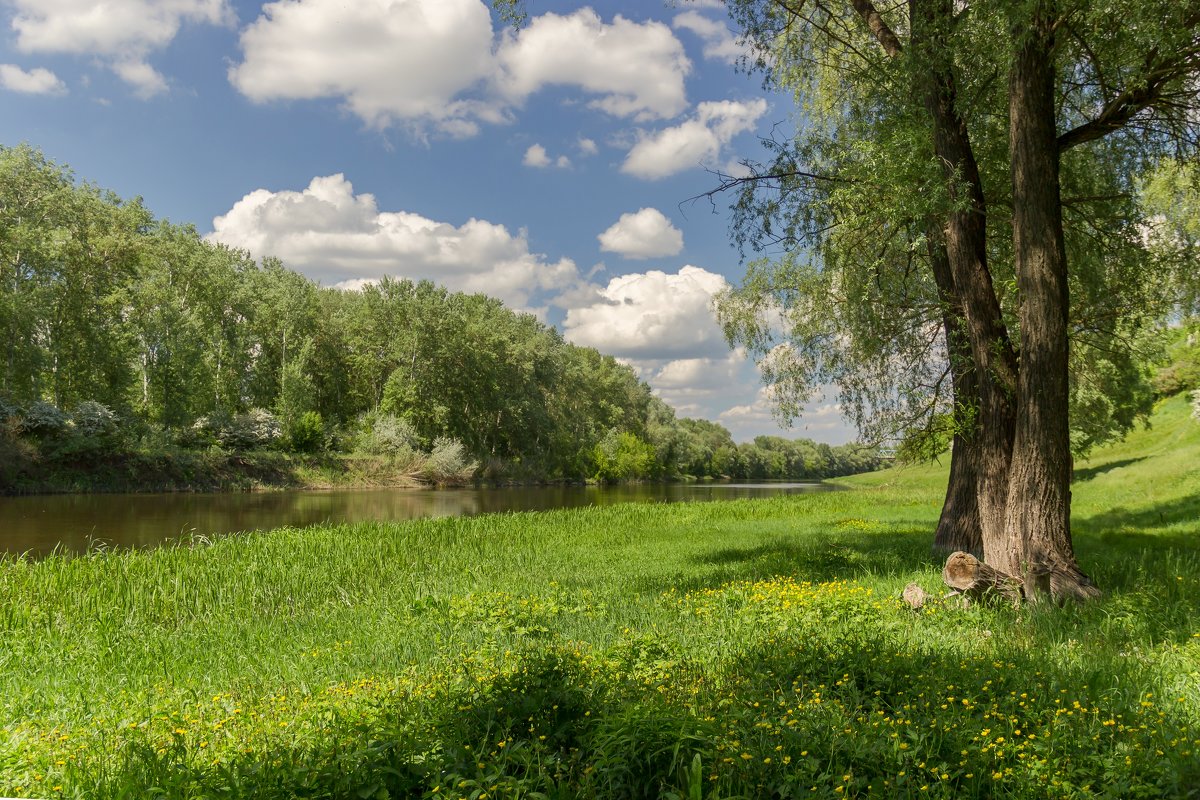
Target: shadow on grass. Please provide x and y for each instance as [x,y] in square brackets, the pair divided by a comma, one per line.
[1087,473]
[1184,509]
[899,549]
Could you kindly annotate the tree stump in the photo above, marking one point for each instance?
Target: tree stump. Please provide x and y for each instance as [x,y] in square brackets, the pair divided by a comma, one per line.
[975,580]
[915,596]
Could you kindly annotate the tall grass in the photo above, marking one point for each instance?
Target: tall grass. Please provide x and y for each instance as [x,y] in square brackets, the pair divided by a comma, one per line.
[741,649]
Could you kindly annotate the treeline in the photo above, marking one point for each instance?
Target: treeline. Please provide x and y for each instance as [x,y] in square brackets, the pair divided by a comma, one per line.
[123,331]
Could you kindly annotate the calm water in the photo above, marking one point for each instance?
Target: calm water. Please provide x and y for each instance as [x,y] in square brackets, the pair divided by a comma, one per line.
[37,525]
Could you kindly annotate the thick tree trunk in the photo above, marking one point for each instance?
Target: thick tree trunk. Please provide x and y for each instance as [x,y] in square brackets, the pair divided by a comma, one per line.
[966,246]
[958,527]
[1037,539]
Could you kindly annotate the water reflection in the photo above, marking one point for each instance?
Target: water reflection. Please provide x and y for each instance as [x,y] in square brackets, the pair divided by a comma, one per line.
[36,525]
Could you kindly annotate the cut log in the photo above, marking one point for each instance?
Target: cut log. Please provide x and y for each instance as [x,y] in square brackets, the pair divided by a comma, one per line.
[975,580]
[915,596]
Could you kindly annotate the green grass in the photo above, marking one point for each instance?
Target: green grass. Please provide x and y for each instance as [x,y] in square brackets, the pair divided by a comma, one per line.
[743,649]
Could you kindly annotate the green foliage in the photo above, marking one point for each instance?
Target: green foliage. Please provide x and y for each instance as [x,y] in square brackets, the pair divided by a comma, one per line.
[447,461]
[306,434]
[621,456]
[43,421]
[387,435]
[196,344]
[844,205]
[1181,370]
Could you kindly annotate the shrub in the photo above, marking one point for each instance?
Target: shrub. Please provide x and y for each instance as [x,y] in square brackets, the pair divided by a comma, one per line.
[44,421]
[8,410]
[96,421]
[387,435]
[622,456]
[306,434]
[256,428]
[448,461]
[204,431]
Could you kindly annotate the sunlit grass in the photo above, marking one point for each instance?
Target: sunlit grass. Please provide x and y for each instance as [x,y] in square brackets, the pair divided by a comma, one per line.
[751,648]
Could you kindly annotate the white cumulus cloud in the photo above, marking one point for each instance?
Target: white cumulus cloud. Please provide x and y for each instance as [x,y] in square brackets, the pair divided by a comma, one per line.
[331,234]
[34,81]
[652,315]
[388,60]
[637,69]
[438,63]
[719,42]
[536,156]
[646,233]
[696,141]
[123,33]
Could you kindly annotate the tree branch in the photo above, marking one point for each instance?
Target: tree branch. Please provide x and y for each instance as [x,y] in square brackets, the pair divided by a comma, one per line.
[1117,113]
[883,33]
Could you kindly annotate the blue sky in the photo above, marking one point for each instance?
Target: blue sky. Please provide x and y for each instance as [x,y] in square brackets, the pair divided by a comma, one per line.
[549,167]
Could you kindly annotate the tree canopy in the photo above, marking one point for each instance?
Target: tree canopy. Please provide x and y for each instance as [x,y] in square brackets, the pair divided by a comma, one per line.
[102,306]
[955,238]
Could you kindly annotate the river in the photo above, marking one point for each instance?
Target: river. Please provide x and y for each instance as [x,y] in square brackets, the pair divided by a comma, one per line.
[38,524]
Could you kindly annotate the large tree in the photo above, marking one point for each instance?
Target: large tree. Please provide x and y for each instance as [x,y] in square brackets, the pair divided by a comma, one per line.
[952,130]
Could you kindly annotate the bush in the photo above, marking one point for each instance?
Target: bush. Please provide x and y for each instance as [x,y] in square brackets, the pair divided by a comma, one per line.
[8,411]
[387,435]
[448,461]
[204,431]
[94,429]
[44,421]
[622,456]
[306,434]
[96,421]
[254,429]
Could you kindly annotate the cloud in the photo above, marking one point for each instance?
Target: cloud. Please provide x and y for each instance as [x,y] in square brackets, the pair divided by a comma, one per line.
[719,42]
[122,33]
[643,234]
[388,60]
[35,81]
[587,147]
[536,156]
[652,315]
[335,236]
[638,69]
[436,64]
[820,421]
[696,141]
[145,79]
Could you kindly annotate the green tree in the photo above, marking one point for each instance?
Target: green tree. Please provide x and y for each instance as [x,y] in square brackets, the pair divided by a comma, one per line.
[908,143]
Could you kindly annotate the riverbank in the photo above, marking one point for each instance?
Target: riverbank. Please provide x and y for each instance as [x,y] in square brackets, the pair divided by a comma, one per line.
[180,470]
[750,648]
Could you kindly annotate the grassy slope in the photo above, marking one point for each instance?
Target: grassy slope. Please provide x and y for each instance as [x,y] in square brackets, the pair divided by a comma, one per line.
[712,649]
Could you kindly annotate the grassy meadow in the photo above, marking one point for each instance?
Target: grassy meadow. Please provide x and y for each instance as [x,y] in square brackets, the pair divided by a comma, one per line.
[748,649]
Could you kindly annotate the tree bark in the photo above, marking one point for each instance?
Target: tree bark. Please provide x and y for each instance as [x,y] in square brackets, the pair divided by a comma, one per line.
[992,353]
[1037,539]
[959,526]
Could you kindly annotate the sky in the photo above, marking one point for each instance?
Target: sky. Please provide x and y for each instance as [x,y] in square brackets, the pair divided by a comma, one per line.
[550,166]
